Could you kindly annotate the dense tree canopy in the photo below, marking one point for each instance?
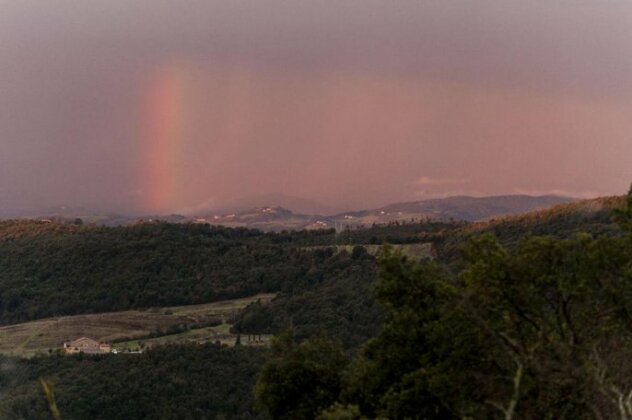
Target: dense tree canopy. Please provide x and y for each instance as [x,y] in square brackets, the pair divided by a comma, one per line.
[541,330]
[504,324]
[176,382]
[336,301]
[300,380]
[48,270]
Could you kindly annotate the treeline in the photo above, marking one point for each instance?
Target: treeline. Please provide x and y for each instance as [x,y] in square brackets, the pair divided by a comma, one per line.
[48,270]
[520,327]
[342,304]
[336,300]
[174,382]
[377,234]
[51,269]
[563,221]
[539,330]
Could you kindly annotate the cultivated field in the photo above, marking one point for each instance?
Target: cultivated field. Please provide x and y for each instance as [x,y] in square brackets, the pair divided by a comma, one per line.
[207,322]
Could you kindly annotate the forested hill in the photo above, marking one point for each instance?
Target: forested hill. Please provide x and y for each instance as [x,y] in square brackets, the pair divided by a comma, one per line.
[593,216]
[49,269]
[537,329]
[173,382]
[537,324]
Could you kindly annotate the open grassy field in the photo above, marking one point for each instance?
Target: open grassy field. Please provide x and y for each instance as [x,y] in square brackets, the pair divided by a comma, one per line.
[172,324]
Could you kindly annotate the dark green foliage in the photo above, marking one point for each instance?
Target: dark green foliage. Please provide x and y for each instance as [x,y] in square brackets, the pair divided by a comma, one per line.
[393,233]
[299,381]
[566,221]
[71,269]
[388,378]
[623,215]
[336,301]
[179,382]
[532,327]
[49,269]
[539,329]
[539,332]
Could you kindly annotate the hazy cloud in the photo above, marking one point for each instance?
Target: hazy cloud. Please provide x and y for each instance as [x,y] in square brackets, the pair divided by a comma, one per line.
[558,192]
[426,180]
[199,208]
[345,102]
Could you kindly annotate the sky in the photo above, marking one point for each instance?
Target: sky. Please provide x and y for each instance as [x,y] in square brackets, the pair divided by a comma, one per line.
[177,106]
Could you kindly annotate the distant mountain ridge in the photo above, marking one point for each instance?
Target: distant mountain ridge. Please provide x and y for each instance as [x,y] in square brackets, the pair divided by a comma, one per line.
[572,210]
[275,199]
[461,208]
[478,208]
[266,218]
[269,215]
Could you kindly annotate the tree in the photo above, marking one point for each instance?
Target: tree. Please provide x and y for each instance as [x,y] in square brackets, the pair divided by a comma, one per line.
[541,331]
[300,380]
[390,378]
[623,216]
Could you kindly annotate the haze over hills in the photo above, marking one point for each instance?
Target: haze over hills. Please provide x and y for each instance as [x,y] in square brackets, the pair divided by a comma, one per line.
[276,199]
[476,208]
[315,210]
[277,212]
[266,218]
[55,275]
[456,208]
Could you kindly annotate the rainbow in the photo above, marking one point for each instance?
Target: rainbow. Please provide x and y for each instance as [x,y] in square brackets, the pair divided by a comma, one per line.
[164,139]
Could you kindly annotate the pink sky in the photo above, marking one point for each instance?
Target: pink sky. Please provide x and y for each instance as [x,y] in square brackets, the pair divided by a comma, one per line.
[353,104]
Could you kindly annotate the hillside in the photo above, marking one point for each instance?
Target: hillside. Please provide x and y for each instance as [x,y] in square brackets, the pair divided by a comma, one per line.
[458,208]
[52,270]
[267,219]
[275,199]
[276,218]
[49,269]
[277,212]
[192,323]
[325,286]
[592,216]
[206,381]
[520,326]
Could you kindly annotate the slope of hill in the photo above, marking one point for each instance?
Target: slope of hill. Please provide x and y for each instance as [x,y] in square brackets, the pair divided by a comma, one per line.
[276,199]
[202,323]
[206,381]
[275,218]
[593,216]
[50,269]
[268,219]
[460,208]
[65,267]
[277,212]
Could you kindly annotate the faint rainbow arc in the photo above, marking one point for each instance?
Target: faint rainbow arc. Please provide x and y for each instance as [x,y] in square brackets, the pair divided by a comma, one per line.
[164,139]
